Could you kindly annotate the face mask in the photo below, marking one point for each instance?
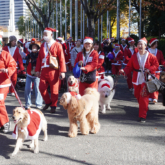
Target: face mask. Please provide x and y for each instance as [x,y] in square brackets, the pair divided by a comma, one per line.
[46,38]
[34,50]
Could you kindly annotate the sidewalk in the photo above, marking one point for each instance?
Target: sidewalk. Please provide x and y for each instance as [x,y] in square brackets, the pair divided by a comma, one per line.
[120,141]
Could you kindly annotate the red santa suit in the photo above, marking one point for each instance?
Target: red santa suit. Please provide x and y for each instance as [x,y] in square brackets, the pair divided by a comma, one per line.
[151,63]
[100,67]
[128,52]
[122,47]
[34,125]
[7,62]
[70,46]
[116,62]
[50,76]
[17,57]
[90,65]
[160,58]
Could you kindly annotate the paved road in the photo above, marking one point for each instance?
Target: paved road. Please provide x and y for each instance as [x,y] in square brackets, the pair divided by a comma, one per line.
[120,141]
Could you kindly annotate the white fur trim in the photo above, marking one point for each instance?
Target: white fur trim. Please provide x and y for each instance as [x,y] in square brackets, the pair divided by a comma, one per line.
[48,31]
[101,57]
[142,41]
[88,41]
[153,42]
[68,97]
[6,85]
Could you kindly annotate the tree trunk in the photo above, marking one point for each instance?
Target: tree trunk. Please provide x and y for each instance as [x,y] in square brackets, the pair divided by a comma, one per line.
[91,30]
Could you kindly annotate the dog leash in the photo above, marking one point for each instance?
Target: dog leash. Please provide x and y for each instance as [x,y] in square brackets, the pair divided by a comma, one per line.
[15,92]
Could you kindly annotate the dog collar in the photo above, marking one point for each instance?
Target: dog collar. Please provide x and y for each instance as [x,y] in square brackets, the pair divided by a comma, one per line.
[71,85]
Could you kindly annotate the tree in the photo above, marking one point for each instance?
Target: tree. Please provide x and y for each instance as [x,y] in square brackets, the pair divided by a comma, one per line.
[94,9]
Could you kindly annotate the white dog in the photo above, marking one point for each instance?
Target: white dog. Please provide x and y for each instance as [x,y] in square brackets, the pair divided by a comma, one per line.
[72,84]
[107,92]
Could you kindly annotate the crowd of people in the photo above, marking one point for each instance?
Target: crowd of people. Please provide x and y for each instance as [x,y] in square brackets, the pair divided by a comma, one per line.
[93,57]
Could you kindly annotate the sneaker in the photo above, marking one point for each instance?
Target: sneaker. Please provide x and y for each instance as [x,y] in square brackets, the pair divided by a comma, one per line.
[106,71]
[12,94]
[46,107]
[39,107]
[53,110]
[155,101]
[27,107]
[142,120]
[109,71]
[6,127]
[150,100]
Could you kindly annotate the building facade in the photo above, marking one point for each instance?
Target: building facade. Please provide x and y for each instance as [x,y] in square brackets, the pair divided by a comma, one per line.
[20,9]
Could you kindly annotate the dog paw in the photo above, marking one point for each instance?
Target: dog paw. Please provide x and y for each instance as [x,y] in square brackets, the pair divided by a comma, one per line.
[108,107]
[72,135]
[36,150]
[85,132]
[31,145]
[45,138]
[103,111]
[13,154]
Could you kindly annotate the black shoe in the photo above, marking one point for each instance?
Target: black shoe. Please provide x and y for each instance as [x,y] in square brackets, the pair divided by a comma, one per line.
[53,110]
[142,120]
[46,107]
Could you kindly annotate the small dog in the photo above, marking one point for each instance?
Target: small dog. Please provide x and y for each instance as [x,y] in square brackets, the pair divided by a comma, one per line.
[28,126]
[83,109]
[105,88]
[72,84]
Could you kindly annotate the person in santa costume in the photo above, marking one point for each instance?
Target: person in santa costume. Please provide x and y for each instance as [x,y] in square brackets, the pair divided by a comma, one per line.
[159,55]
[14,52]
[70,46]
[75,51]
[50,76]
[21,48]
[123,44]
[97,46]
[140,63]
[117,60]
[88,60]
[31,60]
[128,52]
[7,68]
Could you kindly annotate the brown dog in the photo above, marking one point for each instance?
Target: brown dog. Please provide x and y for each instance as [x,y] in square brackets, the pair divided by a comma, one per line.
[85,110]
[28,126]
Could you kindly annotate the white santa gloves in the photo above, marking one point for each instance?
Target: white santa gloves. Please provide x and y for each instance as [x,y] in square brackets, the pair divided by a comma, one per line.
[62,76]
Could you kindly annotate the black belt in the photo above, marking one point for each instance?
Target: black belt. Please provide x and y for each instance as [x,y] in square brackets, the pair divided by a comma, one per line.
[137,70]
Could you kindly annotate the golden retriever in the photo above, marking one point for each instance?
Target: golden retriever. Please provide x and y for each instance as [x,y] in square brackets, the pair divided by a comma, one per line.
[85,110]
[24,120]
[72,83]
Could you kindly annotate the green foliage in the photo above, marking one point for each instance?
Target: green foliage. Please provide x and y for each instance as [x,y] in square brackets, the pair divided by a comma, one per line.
[21,26]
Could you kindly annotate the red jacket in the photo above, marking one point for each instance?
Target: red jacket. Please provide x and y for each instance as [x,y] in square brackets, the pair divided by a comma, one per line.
[17,57]
[100,67]
[7,62]
[118,57]
[159,56]
[151,64]
[43,56]
[128,54]
[91,63]
[123,48]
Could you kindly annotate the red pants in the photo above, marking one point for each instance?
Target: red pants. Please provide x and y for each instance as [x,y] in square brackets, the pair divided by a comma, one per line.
[3,113]
[155,94]
[115,69]
[143,101]
[83,86]
[129,80]
[49,77]
[14,81]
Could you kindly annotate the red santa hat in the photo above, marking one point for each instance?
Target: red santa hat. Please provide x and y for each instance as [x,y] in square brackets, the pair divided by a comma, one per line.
[123,39]
[152,41]
[60,38]
[117,45]
[21,41]
[50,30]
[70,94]
[88,40]
[144,40]
[129,39]
[105,85]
